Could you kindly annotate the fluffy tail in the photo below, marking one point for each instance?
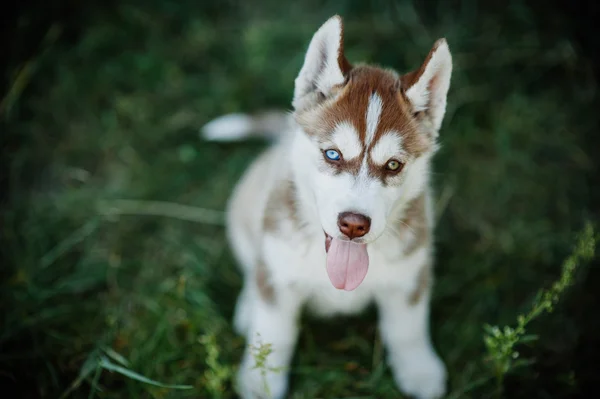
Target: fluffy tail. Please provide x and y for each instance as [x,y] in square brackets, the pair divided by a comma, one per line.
[233,127]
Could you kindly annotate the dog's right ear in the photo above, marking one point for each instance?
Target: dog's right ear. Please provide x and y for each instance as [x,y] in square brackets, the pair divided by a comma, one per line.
[325,65]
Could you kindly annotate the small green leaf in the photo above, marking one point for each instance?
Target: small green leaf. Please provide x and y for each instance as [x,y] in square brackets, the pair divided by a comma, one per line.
[523,363]
[529,338]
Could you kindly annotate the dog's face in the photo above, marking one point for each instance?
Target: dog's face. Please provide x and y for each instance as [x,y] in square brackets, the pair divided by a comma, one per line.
[370,134]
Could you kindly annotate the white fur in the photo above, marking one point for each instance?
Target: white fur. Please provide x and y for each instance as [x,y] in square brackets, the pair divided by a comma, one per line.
[430,91]
[236,126]
[373,113]
[321,68]
[334,194]
[296,264]
[295,258]
[388,146]
[345,138]
[228,127]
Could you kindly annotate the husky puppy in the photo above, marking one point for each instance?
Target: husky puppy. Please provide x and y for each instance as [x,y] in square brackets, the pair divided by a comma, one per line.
[337,214]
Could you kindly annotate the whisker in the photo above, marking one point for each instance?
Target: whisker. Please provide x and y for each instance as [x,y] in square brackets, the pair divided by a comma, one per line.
[407,225]
[393,230]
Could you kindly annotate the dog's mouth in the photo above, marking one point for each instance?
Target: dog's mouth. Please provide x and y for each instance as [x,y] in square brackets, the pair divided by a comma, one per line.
[347,262]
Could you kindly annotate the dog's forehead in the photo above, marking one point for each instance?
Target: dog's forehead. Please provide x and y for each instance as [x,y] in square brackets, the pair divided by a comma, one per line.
[373,104]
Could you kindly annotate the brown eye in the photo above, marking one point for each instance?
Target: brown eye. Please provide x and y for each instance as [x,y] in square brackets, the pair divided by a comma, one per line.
[394,166]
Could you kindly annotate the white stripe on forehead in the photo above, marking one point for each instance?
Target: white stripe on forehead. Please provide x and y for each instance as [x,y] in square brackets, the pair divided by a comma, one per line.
[388,146]
[373,114]
[363,178]
[345,138]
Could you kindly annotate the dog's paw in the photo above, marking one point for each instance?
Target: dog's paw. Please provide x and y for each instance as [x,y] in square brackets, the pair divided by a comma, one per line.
[254,384]
[421,376]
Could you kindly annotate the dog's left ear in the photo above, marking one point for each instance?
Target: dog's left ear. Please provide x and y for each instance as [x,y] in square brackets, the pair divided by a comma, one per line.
[325,65]
[427,87]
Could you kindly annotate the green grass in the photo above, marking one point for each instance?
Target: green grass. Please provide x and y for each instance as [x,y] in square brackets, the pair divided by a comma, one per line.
[120,283]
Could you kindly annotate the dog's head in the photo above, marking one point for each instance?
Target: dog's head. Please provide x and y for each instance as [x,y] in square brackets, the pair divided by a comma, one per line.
[369,134]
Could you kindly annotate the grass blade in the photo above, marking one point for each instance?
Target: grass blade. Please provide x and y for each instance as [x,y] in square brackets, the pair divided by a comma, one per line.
[161,208]
[64,246]
[108,365]
[90,365]
[115,356]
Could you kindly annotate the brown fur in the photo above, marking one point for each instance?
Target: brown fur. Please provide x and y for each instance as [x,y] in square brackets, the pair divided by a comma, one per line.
[349,103]
[281,205]
[423,284]
[409,79]
[342,61]
[351,166]
[265,288]
[416,222]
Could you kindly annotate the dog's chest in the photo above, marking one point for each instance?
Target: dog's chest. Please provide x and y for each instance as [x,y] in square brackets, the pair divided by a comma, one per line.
[301,269]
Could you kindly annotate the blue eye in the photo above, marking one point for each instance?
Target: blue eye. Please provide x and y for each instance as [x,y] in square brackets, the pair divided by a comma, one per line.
[332,155]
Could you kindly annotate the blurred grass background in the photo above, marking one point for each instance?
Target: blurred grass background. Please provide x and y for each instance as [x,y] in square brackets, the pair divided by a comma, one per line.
[113,245]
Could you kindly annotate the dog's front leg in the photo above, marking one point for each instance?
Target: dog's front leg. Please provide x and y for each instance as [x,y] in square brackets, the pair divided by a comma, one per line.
[404,326]
[271,341]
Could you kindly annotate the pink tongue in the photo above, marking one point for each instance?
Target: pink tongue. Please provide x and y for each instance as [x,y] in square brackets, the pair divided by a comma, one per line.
[347,264]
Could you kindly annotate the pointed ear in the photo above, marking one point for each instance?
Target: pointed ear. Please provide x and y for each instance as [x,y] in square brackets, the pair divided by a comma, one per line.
[427,87]
[325,65]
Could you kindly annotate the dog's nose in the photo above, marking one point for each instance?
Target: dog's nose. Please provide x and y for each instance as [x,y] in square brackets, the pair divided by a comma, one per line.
[353,224]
